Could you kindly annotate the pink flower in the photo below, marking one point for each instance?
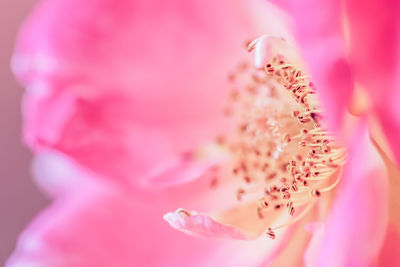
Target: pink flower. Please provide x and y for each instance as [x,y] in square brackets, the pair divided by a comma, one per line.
[124,110]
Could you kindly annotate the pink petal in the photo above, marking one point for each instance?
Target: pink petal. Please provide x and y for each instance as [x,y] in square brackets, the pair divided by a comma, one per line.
[390,253]
[355,230]
[390,123]
[186,167]
[293,252]
[57,174]
[239,222]
[314,247]
[201,225]
[318,28]
[374,54]
[105,227]
[123,86]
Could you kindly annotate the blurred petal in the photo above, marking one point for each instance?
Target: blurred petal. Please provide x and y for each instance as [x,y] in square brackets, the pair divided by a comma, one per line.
[362,195]
[390,123]
[318,28]
[105,227]
[378,71]
[313,248]
[123,86]
[187,167]
[390,253]
[374,54]
[57,174]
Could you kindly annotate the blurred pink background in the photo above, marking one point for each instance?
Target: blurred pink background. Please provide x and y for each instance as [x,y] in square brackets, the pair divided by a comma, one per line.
[20,199]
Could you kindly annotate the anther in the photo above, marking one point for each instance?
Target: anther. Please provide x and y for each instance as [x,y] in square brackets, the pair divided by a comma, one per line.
[260,213]
[290,208]
[302,144]
[287,138]
[284,188]
[214,182]
[264,167]
[271,233]
[184,212]
[234,95]
[262,203]
[294,187]
[286,195]
[315,193]
[240,194]
[271,176]
[231,77]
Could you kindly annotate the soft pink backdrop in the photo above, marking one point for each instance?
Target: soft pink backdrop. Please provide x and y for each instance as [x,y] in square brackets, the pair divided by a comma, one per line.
[20,199]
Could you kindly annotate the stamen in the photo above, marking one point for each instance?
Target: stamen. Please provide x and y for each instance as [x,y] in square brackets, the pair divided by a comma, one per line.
[282,154]
[290,208]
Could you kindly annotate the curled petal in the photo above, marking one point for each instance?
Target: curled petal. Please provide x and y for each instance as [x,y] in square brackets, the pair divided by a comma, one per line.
[201,225]
[239,222]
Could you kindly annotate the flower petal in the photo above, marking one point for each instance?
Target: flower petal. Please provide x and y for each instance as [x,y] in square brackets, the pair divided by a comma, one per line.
[355,230]
[239,222]
[390,253]
[187,167]
[319,33]
[57,174]
[102,226]
[293,252]
[390,123]
[375,59]
[201,225]
[124,86]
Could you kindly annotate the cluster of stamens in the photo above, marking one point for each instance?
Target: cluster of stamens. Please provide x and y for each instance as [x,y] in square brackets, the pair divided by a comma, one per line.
[282,154]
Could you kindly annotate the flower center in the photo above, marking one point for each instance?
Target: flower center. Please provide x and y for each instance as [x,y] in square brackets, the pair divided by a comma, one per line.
[281,152]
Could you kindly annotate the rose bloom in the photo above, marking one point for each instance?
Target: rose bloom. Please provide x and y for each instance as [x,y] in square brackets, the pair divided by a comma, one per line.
[163,143]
